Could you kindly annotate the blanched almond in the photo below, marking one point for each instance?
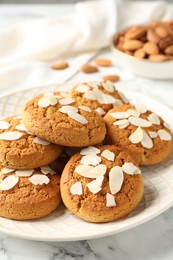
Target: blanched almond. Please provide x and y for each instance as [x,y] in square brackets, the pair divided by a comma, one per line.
[103,62]
[113,78]
[151,48]
[61,65]
[132,45]
[86,68]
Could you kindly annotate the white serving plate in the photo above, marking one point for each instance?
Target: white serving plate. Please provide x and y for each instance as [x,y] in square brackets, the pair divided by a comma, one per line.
[143,67]
[63,226]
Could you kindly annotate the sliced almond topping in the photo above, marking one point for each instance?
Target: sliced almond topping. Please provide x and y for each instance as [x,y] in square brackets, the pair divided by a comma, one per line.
[136,136]
[66,101]
[9,182]
[139,121]
[107,99]
[110,156]
[21,127]
[95,185]
[11,136]
[4,125]
[123,97]
[116,178]
[6,170]
[77,117]
[17,117]
[93,84]
[90,95]
[130,168]
[141,108]
[47,170]
[121,122]
[66,109]
[133,112]
[101,111]
[24,173]
[110,200]
[124,125]
[90,150]
[76,188]
[146,141]
[85,108]
[41,141]
[154,119]
[82,88]
[152,134]
[99,170]
[47,101]
[90,160]
[166,125]
[164,135]
[39,179]
[85,171]
[108,86]
[120,115]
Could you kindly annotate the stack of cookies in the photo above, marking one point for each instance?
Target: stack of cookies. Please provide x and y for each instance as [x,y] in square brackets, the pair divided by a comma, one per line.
[105,139]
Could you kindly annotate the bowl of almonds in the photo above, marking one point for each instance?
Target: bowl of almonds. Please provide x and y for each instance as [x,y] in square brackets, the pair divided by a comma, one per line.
[146,50]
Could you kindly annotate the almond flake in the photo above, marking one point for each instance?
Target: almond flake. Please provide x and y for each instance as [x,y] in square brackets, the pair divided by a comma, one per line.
[101,111]
[130,168]
[90,95]
[94,84]
[107,99]
[85,171]
[6,170]
[152,134]
[110,156]
[116,178]
[47,170]
[21,127]
[77,117]
[154,119]
[123,97]
[99,170]
[117,103]
[141,108]
[4,125]
[95,185]
[76,188]
[66,101]
[11,136]
[124,125]
[90,160]
[82,88]
[39,179]
[63,94]
[133,112]
[110,200]
[17,117]
[24,173]
[120,115]
[166,125]
[90,150]
[146,141]
[47,101]
[66,109]
[164,135]
[121,122]
[38,140]
[139,121]
[9,182]
[108,86]
[136,136]
[85,108]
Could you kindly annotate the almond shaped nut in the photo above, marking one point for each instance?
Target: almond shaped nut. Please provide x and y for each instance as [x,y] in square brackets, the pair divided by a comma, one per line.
[169,50]
[61,65]
[151,48]
[86,68]
[103,62]
[131,45]
[152,36]
[161,31]
[135,33]
[113,78]
[129,53]
[164,43]
[158,57]
[140,53]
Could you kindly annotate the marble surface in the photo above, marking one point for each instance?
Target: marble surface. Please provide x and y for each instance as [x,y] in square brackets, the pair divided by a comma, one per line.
[152,240]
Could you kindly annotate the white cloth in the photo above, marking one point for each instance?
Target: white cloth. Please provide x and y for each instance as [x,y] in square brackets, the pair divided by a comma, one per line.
[25,48]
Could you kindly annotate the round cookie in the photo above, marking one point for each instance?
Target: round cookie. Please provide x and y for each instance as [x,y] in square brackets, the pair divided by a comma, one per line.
[140,132]
[101,184]
[20,149]
[28,194]
[99,96]
[59,120]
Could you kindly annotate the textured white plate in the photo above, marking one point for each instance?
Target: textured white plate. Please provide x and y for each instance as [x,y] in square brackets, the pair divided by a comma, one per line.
[63,226]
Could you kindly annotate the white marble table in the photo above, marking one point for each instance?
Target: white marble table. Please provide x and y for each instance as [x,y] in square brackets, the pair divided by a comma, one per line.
[152,240]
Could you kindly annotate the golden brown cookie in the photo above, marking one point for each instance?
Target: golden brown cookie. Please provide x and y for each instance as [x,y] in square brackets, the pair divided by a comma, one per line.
[99,96]
[59,120]
[28,194]
[140,132]
[20,149]
[101,184]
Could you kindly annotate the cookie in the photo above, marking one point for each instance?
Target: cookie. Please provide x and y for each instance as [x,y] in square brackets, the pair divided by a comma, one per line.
[20,149]
[101,184]
[99,96]
[28,194]
[59,120]
[140,132]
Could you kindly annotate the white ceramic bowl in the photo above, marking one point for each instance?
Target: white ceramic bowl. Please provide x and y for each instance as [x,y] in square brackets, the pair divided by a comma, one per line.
[143,67]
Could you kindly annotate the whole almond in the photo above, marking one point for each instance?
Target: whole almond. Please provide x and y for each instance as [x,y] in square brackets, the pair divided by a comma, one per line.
[140,53]
[103,62]
[161,31]
[150,48]
[169,50]
[152,36]
[131,45]
[86,68]
[158,57]
[164,43]
[135,33]
[61,65]
[113,78]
